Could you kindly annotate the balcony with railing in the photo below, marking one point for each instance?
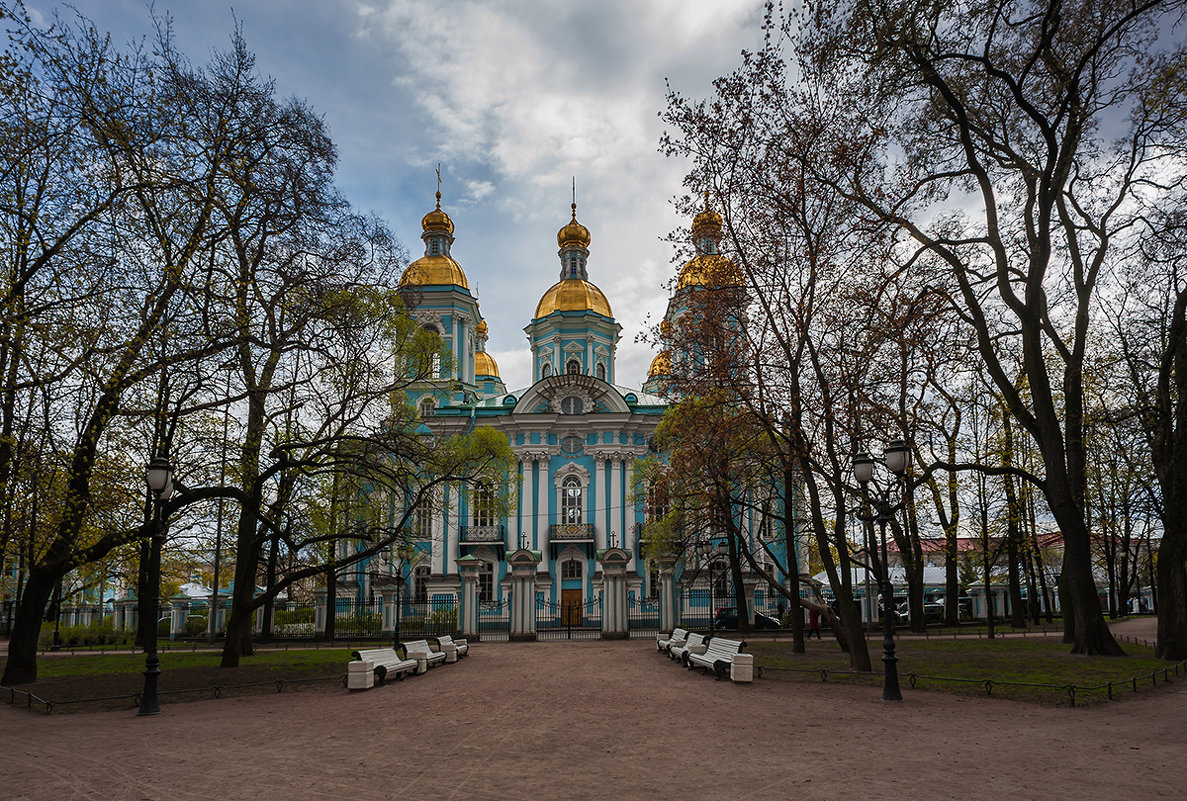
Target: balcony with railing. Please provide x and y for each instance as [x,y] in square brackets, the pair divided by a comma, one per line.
[571,532]
[482,535]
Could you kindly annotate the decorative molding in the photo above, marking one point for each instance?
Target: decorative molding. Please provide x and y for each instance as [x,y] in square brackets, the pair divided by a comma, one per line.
[429,317]
[571,469]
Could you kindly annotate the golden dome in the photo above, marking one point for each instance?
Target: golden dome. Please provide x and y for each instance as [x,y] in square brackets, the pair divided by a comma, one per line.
[437,220]
[665,327]
[483,330]
[573,235]
[706,223]
[434,271]
[573,294]
[661,365]
[710,270]
[485,365]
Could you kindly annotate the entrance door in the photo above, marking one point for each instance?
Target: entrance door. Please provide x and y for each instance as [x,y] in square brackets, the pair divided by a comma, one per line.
[571,607]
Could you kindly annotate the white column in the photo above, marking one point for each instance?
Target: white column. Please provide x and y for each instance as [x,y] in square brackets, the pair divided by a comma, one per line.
[628,518]
[437,560]
[589,365]
[525,501]
[453,509]
[603,468]
[616,516]
[597,513]
[527,510]
[542,510]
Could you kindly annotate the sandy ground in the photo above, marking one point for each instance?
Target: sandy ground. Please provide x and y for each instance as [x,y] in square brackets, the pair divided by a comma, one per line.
[601,720]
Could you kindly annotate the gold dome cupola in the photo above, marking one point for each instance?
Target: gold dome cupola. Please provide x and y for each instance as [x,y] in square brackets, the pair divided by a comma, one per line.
[436,267]
[574,292]
[708,268]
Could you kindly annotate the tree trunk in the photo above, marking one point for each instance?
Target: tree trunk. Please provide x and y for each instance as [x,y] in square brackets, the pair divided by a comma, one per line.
[1082,614]
[1172,588]
[793,563]
[21,667]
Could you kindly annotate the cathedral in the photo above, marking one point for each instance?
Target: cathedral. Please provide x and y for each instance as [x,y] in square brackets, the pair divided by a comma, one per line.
[576,431]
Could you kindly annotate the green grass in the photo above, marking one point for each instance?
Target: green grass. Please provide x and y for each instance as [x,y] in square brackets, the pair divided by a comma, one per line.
[1030,660]
[65,679]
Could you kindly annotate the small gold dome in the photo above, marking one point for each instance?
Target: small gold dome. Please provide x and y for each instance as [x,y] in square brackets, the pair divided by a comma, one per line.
[573,294]
[485,365]
[706,223]
[434,271]
[482,329]
[665,327]
[437,220]
[661,365]
[573,235]
[710,270]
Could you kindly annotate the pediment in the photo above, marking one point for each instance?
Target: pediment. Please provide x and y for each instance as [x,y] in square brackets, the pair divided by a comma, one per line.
[546,395]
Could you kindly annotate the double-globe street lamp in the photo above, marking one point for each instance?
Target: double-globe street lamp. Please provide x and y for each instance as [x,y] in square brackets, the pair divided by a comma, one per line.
[895,460]
[710,551]
[160,483]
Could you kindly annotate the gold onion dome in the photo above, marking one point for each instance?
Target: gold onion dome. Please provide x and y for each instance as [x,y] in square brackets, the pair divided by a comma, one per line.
[483,330]
[434,271]
[665,327]
[573,294]
[573,235]
[661,365]
[437,220]
[485,365]
[711,270]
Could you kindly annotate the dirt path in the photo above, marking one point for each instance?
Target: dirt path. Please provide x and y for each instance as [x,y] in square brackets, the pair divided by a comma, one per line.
[599,720]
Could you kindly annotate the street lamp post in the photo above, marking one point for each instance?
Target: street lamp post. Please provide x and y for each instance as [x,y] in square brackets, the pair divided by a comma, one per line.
[710,552]
[160,483]
[895,460]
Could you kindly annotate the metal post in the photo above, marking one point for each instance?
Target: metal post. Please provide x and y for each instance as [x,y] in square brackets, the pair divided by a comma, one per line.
[712,613]
[399,602]
[57,643]
[149,701]
[890,686]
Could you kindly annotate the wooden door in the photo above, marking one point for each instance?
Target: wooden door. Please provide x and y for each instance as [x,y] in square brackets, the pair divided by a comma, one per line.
[571,607]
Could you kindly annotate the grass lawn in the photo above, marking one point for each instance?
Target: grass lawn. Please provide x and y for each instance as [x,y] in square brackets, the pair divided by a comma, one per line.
[1030,660]
[185,676]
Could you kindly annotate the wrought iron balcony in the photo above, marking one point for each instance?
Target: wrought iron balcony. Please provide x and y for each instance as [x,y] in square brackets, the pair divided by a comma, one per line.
[571,532]
[482,534]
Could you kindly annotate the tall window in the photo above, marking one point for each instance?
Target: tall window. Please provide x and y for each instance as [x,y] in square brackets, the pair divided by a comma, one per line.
[571,500]
[546,370]
[435,359]
[656,504]
[601,372]
[483,510]
[570,569]
[486,582]
[424,521]
[420,584]
[434,247]
[573,367]
[652,580]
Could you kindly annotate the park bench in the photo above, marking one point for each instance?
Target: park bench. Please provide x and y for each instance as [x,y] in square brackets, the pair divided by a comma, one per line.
[677,637]
[386,663]
[420,649]
[694,644]
[453,649]
[717,657]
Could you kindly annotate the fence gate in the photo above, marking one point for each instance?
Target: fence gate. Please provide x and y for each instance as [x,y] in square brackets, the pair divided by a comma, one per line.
[569,621]
[642,617]
[494,620]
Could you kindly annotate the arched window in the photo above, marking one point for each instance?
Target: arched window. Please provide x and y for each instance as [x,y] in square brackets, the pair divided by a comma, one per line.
[420,584]
[482,510]
[572,405]
[601,371]
[571,506]
[721,582]
[571,569]
[427,407]
[435,359]
[486,582]
[573,367]
[546,370]
[656,504]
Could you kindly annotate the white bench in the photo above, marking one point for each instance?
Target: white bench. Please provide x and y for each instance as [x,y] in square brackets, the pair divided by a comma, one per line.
[420,649]
[677,637]
[718,657]
[453,649]
[386,662]
[695,644]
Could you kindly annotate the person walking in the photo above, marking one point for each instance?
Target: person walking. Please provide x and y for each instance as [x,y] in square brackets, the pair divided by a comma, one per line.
[813,624]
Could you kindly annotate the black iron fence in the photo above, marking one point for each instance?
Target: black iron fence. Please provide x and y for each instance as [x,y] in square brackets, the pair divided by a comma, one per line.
[494,620]
[569,621]
[642,617]
[428,618]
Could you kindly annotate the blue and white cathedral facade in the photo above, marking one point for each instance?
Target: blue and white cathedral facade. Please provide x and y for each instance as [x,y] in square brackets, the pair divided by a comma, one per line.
[576,431]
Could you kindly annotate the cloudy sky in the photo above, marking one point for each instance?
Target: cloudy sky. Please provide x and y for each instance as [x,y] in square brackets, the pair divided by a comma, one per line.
[514,99]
